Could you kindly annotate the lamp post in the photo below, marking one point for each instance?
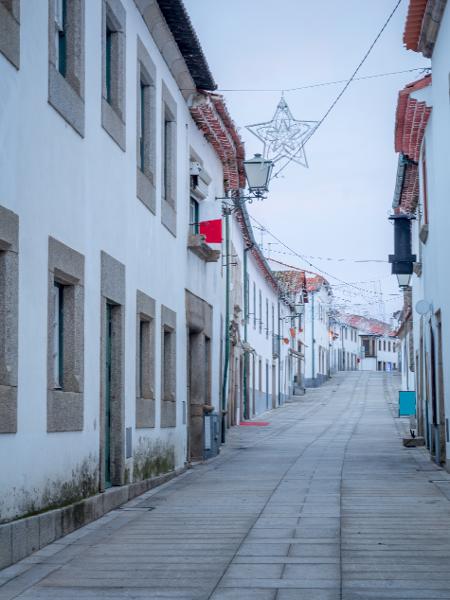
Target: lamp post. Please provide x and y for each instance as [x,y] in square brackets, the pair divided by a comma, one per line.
[403,279]
[402,260]
[257,172]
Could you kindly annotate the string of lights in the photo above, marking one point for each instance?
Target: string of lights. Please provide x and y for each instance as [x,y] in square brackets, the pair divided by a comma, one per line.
[330,258]
[303,258]
[323,83]
[344,89]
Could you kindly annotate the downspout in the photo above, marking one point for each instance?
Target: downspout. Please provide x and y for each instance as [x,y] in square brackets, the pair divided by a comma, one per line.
[313,366]
[246,354]
[279,354]
[227,324]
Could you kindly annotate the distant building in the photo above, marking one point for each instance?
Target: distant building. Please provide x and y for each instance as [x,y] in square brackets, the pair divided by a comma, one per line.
[317,330]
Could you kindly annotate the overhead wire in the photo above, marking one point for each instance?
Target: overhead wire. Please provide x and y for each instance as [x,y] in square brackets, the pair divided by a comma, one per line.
[362,291]
[344,89]
[323,83]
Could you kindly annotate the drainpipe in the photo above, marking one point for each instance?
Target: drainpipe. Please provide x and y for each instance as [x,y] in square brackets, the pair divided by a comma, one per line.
[227,324]
[246,354]
[313,360]
[279,354]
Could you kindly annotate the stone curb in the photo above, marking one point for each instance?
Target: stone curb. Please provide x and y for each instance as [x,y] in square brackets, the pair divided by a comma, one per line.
[21,538]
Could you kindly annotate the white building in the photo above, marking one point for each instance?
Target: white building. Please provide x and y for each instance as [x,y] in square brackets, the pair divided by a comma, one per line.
[423,184]
[346,346]
[318,336]
[106,289]
[258,363]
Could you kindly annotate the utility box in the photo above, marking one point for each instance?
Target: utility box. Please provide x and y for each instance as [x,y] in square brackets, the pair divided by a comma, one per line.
[211,443]
[406,403]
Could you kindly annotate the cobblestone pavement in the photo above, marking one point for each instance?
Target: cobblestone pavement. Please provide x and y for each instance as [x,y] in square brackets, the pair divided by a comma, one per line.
[323,504]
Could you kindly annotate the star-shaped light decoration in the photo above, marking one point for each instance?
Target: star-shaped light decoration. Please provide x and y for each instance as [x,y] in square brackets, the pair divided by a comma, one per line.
[284,136]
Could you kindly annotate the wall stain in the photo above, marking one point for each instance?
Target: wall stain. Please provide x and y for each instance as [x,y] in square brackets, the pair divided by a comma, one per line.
[152,458]
[83,482]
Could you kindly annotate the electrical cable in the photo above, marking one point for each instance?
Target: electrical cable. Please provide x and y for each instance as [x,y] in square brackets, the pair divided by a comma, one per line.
[323,83]
[344,89]
[309,263]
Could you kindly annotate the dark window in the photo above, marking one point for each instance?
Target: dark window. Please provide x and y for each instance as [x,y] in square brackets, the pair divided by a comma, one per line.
[58,335]
[61,35]
[194,214]
[108,64]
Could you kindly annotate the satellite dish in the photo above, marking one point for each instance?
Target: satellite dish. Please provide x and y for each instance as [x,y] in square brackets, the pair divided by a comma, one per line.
[422,307]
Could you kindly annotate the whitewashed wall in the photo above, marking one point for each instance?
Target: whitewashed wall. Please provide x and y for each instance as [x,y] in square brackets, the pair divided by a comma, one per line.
[83,193]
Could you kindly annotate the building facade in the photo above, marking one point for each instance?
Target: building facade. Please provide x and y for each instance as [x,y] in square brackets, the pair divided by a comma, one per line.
[423,181]
[107,291]
[318,337]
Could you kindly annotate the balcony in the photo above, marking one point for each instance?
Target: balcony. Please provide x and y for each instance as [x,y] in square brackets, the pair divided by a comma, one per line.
[197,245]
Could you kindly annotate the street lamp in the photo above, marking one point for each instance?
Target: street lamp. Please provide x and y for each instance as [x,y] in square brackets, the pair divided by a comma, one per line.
[403,279]
[258,171]
[402,260]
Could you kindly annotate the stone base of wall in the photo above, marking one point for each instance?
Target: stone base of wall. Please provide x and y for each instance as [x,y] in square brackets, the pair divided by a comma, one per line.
[313,383]
[21,538]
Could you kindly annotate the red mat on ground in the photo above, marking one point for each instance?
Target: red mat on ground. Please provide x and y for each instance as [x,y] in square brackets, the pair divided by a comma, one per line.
[254,423]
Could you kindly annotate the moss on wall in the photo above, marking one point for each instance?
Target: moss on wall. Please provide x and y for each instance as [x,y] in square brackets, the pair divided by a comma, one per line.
[80,483]
[152,458]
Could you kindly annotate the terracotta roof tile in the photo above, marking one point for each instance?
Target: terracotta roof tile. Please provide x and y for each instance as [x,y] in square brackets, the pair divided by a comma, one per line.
[411,119]
[413,25]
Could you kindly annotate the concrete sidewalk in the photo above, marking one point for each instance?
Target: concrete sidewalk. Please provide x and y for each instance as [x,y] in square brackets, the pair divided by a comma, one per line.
[322,504]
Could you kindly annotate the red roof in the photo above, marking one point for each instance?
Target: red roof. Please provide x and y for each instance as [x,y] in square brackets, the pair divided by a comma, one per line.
[413,26]
[315,282]
[367,325]
[294,282]
[411,119]
[212,118]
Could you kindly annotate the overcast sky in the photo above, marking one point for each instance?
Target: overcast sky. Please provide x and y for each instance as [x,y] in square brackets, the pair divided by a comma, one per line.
[338,207]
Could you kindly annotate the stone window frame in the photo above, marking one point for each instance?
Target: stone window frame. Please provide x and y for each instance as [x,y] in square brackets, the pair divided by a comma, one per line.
[9,319]
[168,368]
[65,404]
[146,176]
[113,111]
[145,354]
[66,93]
[10,31]
[113,292]
[169,161]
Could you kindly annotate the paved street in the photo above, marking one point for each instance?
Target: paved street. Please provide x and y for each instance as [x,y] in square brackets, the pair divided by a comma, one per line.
[322,504]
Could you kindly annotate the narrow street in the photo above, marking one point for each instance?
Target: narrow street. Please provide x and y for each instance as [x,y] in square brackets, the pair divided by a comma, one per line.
[322,504]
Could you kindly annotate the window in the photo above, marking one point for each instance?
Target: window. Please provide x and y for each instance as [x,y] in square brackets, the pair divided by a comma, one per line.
[384,345]
[389,346]
[169,160]
[168,368]
[10,31]
[273,319]
[9,296]
[66,61]
[65,409]
[369,346]
[267,318]
[58,335]
[424,186]
[146,129]
[145,360]
[260,311]
[194,216]
[254,305]
[247,298]
[61,36]
[113,70]
[260,373]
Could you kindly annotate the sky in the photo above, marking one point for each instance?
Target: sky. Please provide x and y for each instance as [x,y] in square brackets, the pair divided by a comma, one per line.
[338,208]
